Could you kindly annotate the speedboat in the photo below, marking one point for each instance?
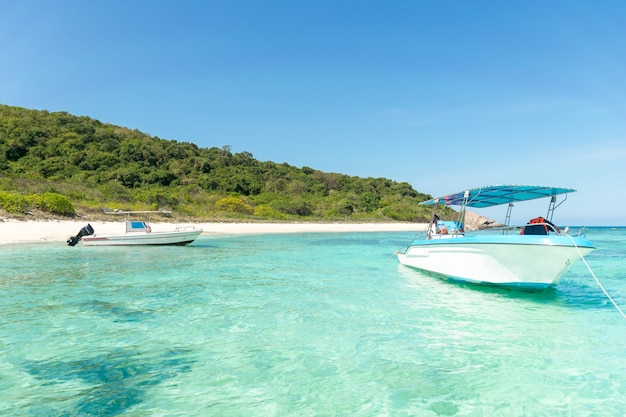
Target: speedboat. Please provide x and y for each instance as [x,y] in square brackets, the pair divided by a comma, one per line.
[532,257]
[137,233]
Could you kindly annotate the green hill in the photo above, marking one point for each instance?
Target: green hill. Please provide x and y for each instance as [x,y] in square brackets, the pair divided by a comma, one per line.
[58,163]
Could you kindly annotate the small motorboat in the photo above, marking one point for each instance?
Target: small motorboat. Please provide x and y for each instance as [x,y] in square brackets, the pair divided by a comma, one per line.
[137,233]
[531,257]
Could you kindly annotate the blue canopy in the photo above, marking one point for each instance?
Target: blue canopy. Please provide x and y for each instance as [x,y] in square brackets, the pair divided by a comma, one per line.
[495,195]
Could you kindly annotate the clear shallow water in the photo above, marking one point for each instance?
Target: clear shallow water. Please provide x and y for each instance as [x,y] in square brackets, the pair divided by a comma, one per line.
[300,325]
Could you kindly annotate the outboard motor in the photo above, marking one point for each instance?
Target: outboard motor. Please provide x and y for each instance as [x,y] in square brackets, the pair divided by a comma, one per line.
[85,231]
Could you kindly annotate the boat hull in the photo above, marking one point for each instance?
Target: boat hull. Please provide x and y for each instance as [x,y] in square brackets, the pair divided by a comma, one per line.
[183,237]
[525,262]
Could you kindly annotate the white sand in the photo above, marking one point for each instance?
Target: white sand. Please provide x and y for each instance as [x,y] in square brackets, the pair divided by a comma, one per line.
[14,231]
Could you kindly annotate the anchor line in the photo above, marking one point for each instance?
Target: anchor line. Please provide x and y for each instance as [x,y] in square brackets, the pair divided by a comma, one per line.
[596,278]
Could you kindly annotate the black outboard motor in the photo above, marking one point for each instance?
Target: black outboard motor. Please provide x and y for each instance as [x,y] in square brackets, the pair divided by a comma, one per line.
[85,231]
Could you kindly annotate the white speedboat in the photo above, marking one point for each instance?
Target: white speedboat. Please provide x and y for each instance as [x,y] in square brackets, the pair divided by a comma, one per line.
[532,257]
[137,233]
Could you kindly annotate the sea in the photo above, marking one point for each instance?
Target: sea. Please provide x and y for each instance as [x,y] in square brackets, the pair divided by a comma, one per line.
[317,324]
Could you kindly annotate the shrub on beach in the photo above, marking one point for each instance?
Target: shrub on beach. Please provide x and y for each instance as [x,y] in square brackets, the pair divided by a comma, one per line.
[266,211]
[13,203]
[53,203]
[234,205]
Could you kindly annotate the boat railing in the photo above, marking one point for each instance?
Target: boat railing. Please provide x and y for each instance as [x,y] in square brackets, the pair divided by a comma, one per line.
[549,229]
[446,235]
[581,231]
[504,230]
[186,228]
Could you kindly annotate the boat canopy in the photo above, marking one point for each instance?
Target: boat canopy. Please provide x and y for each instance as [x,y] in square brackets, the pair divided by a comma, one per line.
[495,195]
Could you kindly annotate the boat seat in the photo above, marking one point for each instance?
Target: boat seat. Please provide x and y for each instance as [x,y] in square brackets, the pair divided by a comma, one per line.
[535,229]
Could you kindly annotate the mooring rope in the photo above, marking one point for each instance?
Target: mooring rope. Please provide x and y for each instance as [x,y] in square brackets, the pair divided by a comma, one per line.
[596,278]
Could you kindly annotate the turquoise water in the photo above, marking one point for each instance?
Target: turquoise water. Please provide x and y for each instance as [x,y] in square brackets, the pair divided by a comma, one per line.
[300,325]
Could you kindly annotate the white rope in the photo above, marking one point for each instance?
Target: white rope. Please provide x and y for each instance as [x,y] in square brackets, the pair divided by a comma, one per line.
[594,277]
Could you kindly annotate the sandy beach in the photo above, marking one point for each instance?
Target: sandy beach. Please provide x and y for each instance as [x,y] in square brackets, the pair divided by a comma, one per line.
[16,231]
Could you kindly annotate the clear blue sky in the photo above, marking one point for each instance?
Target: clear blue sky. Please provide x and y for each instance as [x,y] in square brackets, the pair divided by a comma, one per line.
[441,94]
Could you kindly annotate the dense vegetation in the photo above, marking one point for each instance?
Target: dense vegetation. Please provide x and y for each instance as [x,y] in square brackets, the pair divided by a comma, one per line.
[64,164]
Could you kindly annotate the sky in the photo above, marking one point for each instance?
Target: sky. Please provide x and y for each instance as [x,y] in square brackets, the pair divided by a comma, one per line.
[445,95]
